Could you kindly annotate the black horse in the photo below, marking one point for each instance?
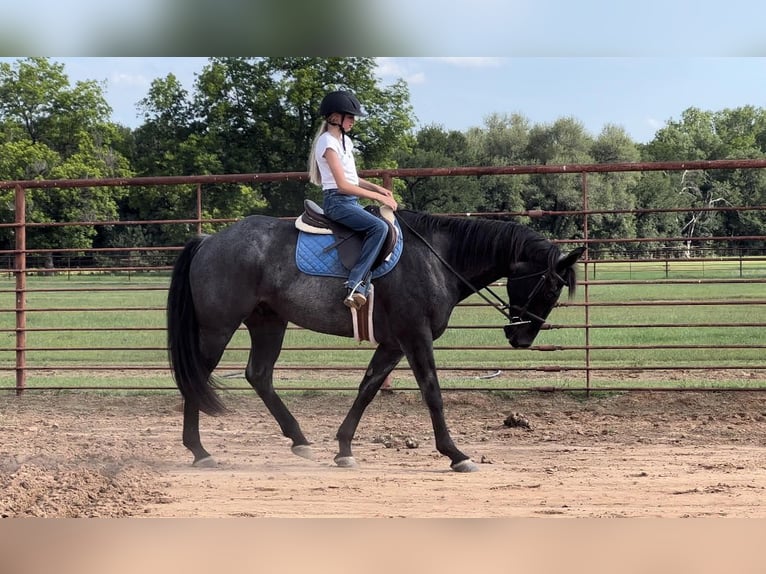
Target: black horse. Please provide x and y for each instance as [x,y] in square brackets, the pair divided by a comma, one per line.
[247,274]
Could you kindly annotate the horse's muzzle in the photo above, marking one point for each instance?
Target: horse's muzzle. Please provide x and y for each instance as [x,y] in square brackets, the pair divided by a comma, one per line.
[512,332]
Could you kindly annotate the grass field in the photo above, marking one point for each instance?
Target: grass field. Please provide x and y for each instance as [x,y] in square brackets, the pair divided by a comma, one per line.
[118,336]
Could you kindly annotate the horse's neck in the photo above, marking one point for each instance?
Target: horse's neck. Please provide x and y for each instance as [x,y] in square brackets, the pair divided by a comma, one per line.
[479,268]
[479,252]
[478,272]
[478,280]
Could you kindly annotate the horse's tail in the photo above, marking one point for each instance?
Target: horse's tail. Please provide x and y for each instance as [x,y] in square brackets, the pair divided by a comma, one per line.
[191,374]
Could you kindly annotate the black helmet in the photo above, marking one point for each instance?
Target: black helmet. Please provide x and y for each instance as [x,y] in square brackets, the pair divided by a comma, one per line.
[343,102]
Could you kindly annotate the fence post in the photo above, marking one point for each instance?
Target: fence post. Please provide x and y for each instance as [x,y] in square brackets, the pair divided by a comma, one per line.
[20,270]
[741,257]
[585,233]
[199,209]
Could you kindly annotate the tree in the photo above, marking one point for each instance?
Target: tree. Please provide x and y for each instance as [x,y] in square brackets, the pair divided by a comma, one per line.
[260,115]
[654,190]
[692,138]
[55,131]
[611,191]
[167,125]
[743,134]
[436,147]
[729,133]
[503,141]
[563,142]
[38,101]
[169,143]
[699,192]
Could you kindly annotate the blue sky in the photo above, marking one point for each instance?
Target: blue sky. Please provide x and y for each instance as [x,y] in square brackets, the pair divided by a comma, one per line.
[519,28]
[636,65]
[641,94]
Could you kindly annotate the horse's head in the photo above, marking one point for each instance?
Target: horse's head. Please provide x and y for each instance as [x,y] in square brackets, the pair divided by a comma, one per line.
[532,294]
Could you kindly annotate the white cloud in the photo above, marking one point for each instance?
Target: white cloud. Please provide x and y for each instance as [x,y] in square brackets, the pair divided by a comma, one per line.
[416,78]
[469,62]
[395,68]
[389,67]
[129,80]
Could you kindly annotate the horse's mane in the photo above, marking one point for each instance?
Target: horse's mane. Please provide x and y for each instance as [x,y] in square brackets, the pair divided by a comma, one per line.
[481,238]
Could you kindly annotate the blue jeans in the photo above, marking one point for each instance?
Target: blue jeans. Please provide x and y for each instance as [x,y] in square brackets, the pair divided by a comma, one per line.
[347,210]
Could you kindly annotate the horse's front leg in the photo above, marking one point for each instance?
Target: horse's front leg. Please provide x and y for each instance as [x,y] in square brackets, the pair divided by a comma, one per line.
[423,365]
[382,363]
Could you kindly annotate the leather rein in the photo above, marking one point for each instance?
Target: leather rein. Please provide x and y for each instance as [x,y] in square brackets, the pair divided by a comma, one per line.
[522,311]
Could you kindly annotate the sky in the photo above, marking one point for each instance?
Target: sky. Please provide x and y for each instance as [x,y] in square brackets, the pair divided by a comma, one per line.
[640,94]
[519,28]
[633,64]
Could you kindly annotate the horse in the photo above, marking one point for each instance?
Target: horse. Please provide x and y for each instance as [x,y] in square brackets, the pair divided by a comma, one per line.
[246,274]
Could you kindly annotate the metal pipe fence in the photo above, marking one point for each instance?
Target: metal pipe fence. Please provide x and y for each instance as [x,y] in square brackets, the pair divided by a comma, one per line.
[659,313]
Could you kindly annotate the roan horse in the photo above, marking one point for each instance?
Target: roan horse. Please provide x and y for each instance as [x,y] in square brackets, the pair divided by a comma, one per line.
[247,273]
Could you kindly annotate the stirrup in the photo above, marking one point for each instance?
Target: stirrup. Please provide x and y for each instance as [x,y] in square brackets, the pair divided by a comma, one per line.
[355,299]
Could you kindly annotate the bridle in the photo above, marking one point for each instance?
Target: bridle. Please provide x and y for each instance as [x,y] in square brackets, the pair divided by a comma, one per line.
[523,315]
[524,311]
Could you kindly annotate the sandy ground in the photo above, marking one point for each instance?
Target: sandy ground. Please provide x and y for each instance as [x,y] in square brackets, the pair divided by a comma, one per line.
[665,454]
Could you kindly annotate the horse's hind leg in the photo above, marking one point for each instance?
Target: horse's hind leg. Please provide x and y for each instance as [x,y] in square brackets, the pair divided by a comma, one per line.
[267,332]
[382,363]
[191,438]
[212,345]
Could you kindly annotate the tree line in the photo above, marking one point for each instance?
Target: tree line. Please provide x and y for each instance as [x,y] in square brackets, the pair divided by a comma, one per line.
[256,115]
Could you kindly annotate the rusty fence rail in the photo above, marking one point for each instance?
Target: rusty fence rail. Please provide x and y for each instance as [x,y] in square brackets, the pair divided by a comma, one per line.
[698,322]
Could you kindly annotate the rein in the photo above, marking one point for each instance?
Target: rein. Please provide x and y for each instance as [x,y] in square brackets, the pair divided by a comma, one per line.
[503,307]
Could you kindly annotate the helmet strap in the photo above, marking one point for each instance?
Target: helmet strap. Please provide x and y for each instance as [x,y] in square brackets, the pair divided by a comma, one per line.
[340,127]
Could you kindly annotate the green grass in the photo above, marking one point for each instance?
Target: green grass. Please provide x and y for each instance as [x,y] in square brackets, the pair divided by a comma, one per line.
[671,269]
[139,302]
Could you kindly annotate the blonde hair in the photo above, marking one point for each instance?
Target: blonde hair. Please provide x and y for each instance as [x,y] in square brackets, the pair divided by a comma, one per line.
[314,175]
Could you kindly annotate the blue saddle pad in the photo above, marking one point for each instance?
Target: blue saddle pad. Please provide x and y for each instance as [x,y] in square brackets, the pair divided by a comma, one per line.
[313,256]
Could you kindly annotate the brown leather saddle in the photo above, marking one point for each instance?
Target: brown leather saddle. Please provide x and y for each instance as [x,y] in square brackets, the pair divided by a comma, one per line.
[347,241]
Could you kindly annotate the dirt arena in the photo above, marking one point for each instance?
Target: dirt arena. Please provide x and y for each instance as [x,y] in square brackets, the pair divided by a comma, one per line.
[665,454]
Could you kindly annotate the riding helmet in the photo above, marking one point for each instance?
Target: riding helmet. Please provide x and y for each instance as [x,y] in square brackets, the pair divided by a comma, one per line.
[341,101]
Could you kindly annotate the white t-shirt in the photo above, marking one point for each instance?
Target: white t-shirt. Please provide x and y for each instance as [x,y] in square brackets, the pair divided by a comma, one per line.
[328,141]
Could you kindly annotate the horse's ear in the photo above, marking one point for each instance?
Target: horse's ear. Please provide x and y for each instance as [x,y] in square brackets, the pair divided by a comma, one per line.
[568,260]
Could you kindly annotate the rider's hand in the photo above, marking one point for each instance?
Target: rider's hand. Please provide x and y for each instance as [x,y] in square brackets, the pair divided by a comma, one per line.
[389,201]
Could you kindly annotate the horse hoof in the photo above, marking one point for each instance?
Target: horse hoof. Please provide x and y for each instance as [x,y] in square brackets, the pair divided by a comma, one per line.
[345,461]
[466,465]
[207,462]
[303,451]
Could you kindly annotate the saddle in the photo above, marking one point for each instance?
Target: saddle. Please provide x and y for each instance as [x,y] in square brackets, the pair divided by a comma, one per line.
[347,241]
